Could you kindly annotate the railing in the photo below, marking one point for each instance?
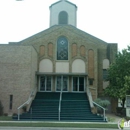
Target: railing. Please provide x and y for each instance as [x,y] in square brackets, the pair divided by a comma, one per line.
[89,95]
[31,97]
[90,98]
[60,104]
[91,102]
[101,108]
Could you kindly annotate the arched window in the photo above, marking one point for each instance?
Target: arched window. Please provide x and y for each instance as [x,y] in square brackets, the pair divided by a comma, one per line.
[82,51]
[63,17]
[62,48]
[50,49]
[74,49]
[42,50]
[91,63]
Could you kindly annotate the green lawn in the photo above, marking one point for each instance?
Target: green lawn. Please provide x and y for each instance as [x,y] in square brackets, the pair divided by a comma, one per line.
[5,118]
[53,124]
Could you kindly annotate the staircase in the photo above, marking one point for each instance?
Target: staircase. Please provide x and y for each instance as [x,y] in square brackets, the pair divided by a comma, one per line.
[75,107]
[45,106]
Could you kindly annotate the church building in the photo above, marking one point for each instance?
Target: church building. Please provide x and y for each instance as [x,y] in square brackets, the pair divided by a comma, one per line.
[59,60]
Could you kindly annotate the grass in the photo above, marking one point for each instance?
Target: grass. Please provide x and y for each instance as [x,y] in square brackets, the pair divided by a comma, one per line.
[9,122]
[111,119]
[51,124]
[5,118]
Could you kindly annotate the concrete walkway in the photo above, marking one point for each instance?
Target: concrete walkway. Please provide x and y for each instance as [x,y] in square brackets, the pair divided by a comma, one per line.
[113,118]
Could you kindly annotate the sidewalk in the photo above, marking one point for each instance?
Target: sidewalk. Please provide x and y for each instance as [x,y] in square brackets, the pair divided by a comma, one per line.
[112,118]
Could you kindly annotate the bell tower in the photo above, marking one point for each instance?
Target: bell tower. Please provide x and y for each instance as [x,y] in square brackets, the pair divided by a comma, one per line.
[63,12]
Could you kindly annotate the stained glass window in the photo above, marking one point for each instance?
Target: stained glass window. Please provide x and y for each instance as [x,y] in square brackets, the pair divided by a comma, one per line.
[62,48]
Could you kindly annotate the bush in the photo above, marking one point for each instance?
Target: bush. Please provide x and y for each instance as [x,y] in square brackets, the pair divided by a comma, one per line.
[127,118]
[14,114]
[118,110]
[24,108]
[103,103]
[123,112]
[1,109]
[5,114]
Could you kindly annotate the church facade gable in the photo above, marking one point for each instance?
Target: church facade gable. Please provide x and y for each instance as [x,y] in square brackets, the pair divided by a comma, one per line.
[61,58]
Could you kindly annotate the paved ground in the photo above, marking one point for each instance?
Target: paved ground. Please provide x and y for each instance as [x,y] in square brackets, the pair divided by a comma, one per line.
[113,118]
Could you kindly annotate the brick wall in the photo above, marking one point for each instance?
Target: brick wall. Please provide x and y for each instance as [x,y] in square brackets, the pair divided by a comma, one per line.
[17,67]
[78,42]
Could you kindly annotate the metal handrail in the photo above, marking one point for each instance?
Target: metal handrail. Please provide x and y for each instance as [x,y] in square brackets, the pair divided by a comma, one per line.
[102,108]
[91,102]
[90,98]
[31,96]
[60,104]
[89,95]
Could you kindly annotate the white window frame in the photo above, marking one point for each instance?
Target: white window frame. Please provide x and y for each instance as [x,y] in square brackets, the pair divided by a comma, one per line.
[45,84]
[78,84]
[62,86]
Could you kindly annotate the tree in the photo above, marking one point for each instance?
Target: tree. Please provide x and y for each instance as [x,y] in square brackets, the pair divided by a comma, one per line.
[119,76]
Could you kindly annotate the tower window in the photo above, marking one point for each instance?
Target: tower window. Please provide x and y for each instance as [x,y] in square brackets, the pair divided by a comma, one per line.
[63,17]
[62,48]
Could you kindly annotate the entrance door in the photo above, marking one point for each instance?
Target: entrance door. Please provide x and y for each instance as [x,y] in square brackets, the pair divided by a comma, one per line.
[78,83]
[62,83]
[45,83]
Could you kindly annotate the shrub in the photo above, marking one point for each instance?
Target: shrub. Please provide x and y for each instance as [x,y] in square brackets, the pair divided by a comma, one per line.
[103,103]
[5,114]
[127,118]
[24,108]
[123,112]
[118,110]
[14,114]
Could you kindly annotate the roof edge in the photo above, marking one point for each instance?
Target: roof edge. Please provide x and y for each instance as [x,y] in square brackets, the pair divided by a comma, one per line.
[61,1]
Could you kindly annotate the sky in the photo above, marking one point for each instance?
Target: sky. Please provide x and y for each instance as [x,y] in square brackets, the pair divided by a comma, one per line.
[108,20]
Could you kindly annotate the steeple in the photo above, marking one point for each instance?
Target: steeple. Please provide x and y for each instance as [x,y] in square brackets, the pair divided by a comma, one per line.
[63,12]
